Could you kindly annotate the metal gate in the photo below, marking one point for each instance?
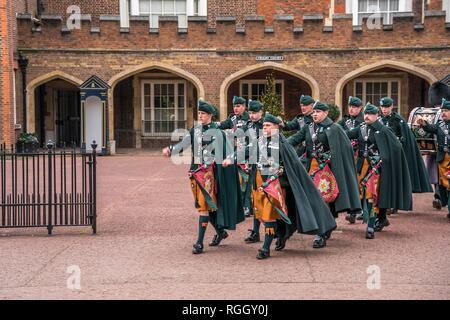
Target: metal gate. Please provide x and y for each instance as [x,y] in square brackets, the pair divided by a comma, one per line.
[48,187]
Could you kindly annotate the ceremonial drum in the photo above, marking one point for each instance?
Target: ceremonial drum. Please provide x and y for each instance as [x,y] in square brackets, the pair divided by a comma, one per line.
[426,141]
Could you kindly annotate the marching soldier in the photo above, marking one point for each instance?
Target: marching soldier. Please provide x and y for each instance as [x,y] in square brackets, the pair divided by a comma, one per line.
[382,170]
[349,122]
[305,118]
[327,145]
[283,191]
[235,125]
[239,118]
[442,131]
[420,180]
[253,129]
[215,188]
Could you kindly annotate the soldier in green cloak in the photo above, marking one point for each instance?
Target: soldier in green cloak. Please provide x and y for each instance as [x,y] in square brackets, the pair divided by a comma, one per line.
[296,201]
[381,156]
[326,142]
[216,189]
[349,122]
[420,179]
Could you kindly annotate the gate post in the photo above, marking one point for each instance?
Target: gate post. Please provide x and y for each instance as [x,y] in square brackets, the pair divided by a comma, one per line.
[94,187]
[50,187]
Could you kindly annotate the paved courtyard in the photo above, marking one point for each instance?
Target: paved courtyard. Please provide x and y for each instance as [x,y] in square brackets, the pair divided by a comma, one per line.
[146,228]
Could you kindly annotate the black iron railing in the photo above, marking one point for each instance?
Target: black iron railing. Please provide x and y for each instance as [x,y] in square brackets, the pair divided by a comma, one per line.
[48,187]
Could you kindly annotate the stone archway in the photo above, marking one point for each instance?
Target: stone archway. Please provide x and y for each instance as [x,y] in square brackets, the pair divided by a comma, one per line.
[430,78]
[35,83]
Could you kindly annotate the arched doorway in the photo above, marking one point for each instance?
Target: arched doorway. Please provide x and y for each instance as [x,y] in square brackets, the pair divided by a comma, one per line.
[56,114]
[150,103]
[250,83]
[406,84]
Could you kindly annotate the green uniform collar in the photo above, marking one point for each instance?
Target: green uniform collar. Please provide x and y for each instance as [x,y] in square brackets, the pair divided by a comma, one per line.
[326,122]
[377,125]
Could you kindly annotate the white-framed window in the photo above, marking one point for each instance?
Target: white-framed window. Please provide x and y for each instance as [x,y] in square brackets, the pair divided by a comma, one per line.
[254,89]
[383,9]
[180,8]
[372,90]
[163,106]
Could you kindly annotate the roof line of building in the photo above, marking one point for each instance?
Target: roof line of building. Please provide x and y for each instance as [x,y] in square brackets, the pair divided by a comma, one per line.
[234,51]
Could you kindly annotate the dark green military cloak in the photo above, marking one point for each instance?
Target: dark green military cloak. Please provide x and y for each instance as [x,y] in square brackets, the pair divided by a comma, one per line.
[420,180]
[343,168]
[342,163]
[229,202]
[307,211]
[395,184]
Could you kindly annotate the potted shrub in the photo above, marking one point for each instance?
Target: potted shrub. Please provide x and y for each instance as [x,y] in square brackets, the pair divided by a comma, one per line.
[27,143]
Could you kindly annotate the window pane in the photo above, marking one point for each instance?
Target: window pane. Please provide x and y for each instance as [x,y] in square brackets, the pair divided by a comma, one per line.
[157,101]
[156,6]
[147,102]
[372,6]
[254,89]
[181,89]
[163,89]
[261,89]
[359,89]
[157,89]
[384,5]
[147,89]
[181,115]
[144,6]
[278,88]
[180,6]
[168,7]
[362,5]
[394,87]
[171,89]
[376,88]
[384,88]
[393,5]
[245,89]
[180,102]
[369,86]
[171,102]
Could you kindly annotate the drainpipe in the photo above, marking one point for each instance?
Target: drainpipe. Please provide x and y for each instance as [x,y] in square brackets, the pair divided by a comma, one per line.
[23,64]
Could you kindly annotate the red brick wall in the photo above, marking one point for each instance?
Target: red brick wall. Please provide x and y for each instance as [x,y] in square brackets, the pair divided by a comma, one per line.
[93,7]
[268,8]
[236,8]
[6,67]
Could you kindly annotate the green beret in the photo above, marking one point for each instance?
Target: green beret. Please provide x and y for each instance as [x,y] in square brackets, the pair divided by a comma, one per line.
[371,109]
[306,100]
[239,100]
[386,102]
[321,106]
[255,106]
[271,118]
[206,107]
[354,101]
[445,104]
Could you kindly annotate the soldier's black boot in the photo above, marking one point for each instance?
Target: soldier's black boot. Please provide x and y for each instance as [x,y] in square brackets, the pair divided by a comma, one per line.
[351,218]
[380,224]
[263,254]
[319,242]
[218,238]
[280,244]
[437,204]
[197,248]
[253,237]
[370,233]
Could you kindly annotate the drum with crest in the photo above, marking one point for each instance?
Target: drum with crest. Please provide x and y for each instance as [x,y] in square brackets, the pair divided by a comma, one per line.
[426,141]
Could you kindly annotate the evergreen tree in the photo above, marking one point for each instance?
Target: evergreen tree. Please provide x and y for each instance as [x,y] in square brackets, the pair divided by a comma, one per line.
[270,99]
